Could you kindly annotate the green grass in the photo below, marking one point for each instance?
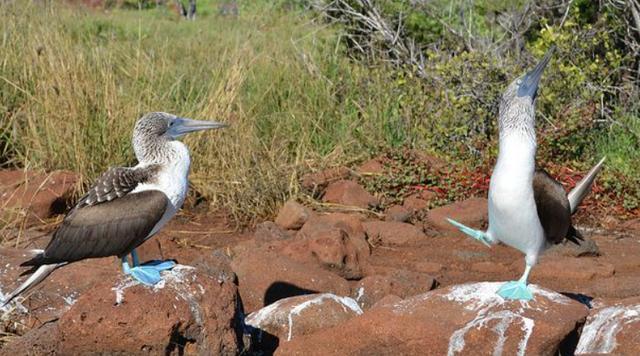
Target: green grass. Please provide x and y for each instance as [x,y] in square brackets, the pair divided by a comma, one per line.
[74,80]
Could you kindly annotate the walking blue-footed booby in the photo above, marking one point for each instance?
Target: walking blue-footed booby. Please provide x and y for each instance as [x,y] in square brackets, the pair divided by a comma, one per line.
[126,206]
[528,210]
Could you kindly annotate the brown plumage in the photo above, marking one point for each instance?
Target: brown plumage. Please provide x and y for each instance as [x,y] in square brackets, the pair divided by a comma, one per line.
[112,228]
[554,210]
[116,183]
[107,221]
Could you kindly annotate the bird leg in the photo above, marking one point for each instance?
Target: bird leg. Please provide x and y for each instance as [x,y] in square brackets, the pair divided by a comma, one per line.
[125,265]
[517,290]
[134,258]
[147,273]
[476,234]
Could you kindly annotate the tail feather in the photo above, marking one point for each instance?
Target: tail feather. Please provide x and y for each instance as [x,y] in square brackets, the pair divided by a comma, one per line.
[580,191]
[38,276]
[573,235]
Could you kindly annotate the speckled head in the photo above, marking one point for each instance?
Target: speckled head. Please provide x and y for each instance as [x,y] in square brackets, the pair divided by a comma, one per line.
[155,128]
[517,103]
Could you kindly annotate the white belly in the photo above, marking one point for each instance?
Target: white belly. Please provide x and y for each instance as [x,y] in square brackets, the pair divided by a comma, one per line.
[513,219]
[513,216]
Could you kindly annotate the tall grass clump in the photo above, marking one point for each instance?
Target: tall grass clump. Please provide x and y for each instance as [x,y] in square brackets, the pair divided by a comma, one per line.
[73,81]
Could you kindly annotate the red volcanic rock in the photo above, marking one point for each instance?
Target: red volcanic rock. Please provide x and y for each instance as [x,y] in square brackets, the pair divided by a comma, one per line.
[372,166]
[419,201]
[615,287]
[471,212]
[570,268]
[188,310]
[265,277]
[349,193]
[289,318]
[401,283]
[586,247]
[387,300]
[397,213]
[428,267]
[460,319]
[55,295]
[268,231]
[612,330]
[319,180]
[489,267]
[391,233]
[336,242]
[40,194]
[293,215]
[39,341]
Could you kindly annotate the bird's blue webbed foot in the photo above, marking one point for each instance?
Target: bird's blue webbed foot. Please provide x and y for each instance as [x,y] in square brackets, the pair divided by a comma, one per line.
[476,234]
[516,290]
[147,273]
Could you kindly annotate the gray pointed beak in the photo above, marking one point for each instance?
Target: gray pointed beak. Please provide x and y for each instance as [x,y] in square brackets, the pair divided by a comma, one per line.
[182,126]
[529,85]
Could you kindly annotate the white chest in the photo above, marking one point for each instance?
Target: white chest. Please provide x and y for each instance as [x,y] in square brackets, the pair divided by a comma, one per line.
[172,180]
[513,216]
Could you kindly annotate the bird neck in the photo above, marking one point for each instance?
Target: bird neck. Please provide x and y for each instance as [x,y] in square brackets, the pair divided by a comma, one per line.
[159,150]
[516,156]
[517,136]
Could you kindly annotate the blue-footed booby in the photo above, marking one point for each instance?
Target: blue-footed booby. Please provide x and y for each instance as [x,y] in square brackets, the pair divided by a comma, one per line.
[126,205]
[528,210]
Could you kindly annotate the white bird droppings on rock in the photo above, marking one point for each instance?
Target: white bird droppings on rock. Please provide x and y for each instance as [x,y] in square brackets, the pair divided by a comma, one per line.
[602,327]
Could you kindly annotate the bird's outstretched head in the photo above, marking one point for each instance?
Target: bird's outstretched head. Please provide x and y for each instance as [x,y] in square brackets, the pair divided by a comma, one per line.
[155,128]
[517,104]
[169,126]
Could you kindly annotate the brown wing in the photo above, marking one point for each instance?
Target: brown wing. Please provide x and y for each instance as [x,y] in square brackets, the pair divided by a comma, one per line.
[116,183]
[553,207]
[112,228]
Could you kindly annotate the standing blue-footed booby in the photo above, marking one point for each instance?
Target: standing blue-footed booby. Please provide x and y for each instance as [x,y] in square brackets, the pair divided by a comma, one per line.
[528,210]
[126,206]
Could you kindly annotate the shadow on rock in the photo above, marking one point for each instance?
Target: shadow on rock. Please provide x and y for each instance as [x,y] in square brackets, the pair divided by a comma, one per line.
[280,290]
[580,298]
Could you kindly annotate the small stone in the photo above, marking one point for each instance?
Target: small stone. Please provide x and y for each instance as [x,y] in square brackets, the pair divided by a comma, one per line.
[319,180]
[292,215]
[269,231]
[471,212]
[372,166]
[420,200]
[397,213]
[335,242]
[349,193]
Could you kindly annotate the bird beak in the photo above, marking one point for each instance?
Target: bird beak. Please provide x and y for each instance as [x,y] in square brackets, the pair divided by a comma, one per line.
[529,85]
[181,126]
